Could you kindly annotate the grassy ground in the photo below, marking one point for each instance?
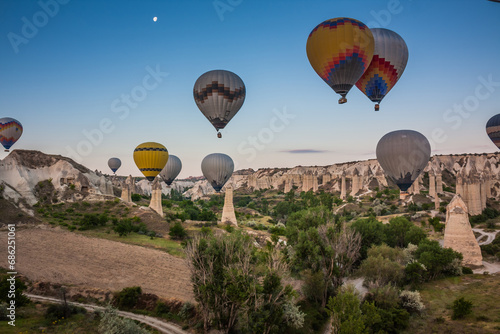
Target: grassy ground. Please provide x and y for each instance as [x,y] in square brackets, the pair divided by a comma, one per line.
[438,296]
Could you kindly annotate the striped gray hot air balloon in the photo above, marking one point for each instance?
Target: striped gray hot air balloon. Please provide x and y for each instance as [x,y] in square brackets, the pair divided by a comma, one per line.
[114,164]
[171,169]
[219,94]
[217,169]
[403,155]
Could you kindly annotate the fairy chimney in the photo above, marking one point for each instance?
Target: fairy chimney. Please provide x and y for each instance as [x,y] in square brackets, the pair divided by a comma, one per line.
[156,197]
[228,215]
[458,233]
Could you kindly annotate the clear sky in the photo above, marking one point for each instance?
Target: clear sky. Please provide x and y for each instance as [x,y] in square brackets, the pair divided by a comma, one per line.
[71,70]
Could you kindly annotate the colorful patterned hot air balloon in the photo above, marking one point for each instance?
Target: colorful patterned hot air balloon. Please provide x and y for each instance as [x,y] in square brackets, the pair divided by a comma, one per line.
[219,95]
[340,50]
[10,131]
[403,155]
[150,158]
[114,164]
[171,170]
[493,129]
[217,169]
[388,64]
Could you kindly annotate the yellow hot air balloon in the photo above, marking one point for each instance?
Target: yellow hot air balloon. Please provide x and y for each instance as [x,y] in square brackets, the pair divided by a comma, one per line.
[340,50]
[150,158]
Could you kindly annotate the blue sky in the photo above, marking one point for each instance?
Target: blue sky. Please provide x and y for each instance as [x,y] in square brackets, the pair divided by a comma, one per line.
[71,73]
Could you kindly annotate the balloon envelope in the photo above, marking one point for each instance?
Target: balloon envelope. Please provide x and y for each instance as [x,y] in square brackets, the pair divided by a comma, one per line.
[219,94]
[387,65]
[340,50]
[403,155]
[171,170]
[493,129]
[114,164]
[150,158]
[217,169]
[10,131]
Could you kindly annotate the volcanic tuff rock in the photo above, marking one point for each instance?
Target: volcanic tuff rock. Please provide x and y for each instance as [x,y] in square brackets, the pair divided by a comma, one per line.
[458,233]
[22,170]
[364,176]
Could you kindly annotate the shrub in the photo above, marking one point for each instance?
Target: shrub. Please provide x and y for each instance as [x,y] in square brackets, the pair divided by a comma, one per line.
[177,232]
[136,197]
[411,301]
[461,307]
[127,298]
[58,311]
[111,323]
[467,271]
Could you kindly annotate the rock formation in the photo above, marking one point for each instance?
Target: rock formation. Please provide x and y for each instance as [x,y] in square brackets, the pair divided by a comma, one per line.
[458,233]
[432,183]
[156,197]
[127,189]
[356,182]
[343,186]
[439,183]
[228,215]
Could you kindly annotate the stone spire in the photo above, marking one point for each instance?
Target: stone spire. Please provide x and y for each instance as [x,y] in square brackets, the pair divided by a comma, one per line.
[228,215]
[356,182]
[439,183]
[343,186]
[432,183]
[458,233]
[415,187]
[127,188]
[156,197]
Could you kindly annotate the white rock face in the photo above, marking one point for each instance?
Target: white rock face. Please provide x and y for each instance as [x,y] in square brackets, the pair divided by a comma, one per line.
[22,170]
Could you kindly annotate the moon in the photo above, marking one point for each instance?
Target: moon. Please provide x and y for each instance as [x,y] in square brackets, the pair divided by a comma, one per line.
[155,18]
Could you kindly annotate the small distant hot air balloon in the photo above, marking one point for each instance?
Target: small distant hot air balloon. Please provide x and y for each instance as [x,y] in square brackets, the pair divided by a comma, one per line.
[217,169]
[387,65]
[114,164]
[403,155]
[10,131]
[340,50]
[219,94]
[493,129]
[171,170]
[150,158]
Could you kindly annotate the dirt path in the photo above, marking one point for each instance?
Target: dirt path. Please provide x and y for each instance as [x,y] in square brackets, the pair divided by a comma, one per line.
[160,325]
[64,257]
[490,236]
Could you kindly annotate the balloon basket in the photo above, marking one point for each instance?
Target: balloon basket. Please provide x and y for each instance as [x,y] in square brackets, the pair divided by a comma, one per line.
[342,100]
[219,135]
[377,107]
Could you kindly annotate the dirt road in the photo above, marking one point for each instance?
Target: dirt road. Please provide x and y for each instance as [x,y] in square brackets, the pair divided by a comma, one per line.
[160,325]
[68,258]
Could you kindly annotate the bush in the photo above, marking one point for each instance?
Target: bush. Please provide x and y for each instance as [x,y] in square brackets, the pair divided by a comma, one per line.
[136,197]
[177,232]
[127,298]
[57,311]
[461,307]
[467,271]
[111,323]
[411,301]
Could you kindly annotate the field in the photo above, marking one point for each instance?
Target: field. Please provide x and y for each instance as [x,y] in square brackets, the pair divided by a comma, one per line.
[72,259]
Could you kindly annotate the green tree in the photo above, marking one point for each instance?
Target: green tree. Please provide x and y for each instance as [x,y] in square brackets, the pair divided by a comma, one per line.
[346,314]
[372,233]
[177,232]
[6,281]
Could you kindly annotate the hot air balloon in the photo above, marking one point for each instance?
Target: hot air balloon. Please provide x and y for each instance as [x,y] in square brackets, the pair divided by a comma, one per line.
[388,64]
[493,129]
[217,169]
[340,50]
[114,164]
[219,95]
[150,158]
[403,155]
[10,131]
[171,170]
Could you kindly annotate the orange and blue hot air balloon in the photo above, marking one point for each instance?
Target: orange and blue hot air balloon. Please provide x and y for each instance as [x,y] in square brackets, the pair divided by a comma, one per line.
[340,50]
[10,131]
[388,64]
[493,129]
